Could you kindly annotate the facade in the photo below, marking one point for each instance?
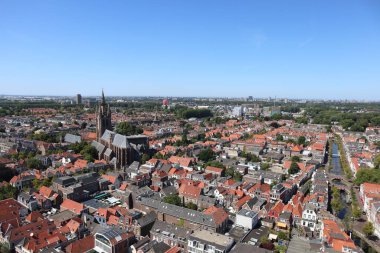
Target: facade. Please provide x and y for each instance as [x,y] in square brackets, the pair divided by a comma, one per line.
[247,219]
[309,217]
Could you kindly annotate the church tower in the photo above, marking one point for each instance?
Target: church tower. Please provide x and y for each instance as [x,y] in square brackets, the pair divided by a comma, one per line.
[103,118]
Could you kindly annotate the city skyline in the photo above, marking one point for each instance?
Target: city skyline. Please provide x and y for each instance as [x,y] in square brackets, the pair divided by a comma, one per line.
[324,50]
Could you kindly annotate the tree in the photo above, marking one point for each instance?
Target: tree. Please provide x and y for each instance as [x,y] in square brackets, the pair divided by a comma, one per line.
[145,158]
[7,191]
[6,173]
[173,199]
[218,135]
[296,159]
[250,157]
[274,125]
[279,137]
[356,212]
[376,161]
[294,168]
[301,140]
[368,229]
[282,236]
[34,163]
[192,206]
[207,155]
[264,166]
[237,176]
[4,248]
[264,239]
[367,176]
[89,153]
[83,125]
[215,164]
[126,128]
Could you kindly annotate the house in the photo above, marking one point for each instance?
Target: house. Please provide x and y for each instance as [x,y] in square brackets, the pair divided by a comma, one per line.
[170,234]
[27,200]
[309,217]
[247,218]
[184,162]
[219,172]
[279,192]
[189,193]
[113,240]
[73,206]
[83,245]
[284,220]
[334,237]
[276,210]
[203,241]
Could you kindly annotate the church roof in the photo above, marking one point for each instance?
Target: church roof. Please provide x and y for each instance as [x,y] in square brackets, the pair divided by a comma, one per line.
[98,146]
[108,152]
[120,141]
[107,134]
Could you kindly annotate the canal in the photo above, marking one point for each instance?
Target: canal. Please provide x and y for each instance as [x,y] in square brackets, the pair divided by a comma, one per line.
[338,170]
[346,211]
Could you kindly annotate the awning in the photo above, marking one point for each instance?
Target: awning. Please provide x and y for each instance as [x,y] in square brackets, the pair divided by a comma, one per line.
[282,225]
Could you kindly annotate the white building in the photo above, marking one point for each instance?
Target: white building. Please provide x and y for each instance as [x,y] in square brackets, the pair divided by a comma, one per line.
[309,217]
[247,218]
[204,241]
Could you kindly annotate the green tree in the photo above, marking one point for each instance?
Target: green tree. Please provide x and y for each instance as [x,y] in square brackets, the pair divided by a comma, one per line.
[294,168]
[356,212]
[4,248]
[6,173]
[34,163]
[282,236]
[7,191]
[206,155]
[145,158]
[301,140]
[368,229]
[237,176]
[376,161]
[126,128]
[264,166]
[192,206]
[215,164]
[173,199]
[218,135]
[367,176]
[296,159]
[279,137]
[83,125]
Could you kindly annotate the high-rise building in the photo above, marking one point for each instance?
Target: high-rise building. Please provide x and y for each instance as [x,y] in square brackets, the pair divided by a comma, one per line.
[79,99]
[103,118]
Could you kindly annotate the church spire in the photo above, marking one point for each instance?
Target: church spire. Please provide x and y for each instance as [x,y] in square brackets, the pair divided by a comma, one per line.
[103,98]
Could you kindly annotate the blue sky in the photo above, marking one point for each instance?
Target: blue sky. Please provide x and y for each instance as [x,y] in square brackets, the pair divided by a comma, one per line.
[297,49]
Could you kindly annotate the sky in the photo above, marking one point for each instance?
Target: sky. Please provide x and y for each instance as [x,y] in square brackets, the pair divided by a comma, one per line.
[220,48]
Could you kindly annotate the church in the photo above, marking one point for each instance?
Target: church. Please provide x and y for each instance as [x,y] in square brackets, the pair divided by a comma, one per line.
[117,149]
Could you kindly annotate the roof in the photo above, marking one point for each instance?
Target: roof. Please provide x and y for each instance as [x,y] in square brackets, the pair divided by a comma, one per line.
[120,141]
[81,245]
[206,219]
[72,205]
[189,191]
[209,237]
